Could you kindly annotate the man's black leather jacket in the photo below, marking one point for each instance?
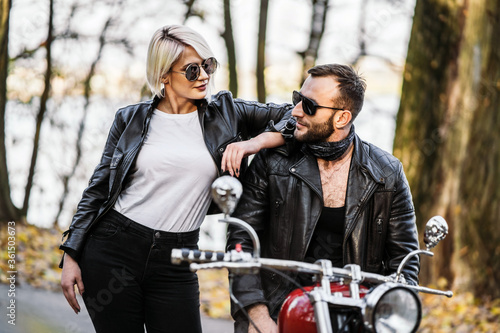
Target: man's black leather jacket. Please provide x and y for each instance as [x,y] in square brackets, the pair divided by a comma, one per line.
[223,120]
[282,200]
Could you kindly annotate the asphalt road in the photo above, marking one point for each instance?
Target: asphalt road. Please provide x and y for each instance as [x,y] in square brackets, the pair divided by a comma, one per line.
[42,311]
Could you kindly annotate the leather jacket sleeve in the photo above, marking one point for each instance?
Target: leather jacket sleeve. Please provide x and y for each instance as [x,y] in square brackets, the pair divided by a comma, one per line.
[94,195]
[253,209]
[402,236]
[258,116]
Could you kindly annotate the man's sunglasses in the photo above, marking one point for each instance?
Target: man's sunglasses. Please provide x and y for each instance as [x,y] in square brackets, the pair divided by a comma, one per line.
[193,71]
[308,105]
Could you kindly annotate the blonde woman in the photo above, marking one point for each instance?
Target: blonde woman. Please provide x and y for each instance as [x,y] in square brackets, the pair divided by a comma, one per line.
[150,191]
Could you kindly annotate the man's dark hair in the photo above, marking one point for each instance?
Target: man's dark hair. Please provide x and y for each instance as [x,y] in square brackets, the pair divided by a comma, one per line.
[351,85]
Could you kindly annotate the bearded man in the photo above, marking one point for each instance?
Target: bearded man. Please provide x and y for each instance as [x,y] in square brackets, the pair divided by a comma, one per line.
[328,195]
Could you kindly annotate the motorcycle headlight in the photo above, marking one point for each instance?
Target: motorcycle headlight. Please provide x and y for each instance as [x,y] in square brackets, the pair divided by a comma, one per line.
[391,307]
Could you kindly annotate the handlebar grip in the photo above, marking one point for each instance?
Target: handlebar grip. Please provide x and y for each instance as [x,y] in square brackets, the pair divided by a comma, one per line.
[187,255]
[208,254]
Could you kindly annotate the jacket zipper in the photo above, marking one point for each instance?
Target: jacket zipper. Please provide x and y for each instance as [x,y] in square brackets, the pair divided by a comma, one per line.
[379,226]
[202,123]
[320,197]
[372,190]
[361,207]
[126,160]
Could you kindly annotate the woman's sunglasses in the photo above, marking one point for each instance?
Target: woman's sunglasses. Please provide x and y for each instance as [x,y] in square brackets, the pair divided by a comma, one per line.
[193,71]
[308,105]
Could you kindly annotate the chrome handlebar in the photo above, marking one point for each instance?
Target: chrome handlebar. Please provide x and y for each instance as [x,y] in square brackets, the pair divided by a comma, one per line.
[226,192]
[241,262]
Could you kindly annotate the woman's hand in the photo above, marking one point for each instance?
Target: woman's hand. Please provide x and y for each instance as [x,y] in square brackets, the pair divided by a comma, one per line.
[70,276]
[235,152]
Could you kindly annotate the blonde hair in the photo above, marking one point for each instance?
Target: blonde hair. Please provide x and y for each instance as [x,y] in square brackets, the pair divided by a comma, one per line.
[165,48]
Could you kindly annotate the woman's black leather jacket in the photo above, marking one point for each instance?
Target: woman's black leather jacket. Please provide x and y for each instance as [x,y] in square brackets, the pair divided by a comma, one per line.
[223,120]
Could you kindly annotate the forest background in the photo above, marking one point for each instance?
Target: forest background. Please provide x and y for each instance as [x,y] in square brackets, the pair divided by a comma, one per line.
[433,74]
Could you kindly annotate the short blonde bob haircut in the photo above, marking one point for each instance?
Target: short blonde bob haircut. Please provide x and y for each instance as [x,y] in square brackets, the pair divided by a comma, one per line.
[165,48]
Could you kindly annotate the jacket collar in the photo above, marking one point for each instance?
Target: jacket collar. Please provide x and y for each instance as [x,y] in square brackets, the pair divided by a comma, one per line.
[361,158]
[363,171]
[306,168]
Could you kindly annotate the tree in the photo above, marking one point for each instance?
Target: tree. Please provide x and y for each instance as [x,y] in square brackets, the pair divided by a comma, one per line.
[231,48]
[261,52]
[8,212]
[318,23]
[43,108]
[448,137]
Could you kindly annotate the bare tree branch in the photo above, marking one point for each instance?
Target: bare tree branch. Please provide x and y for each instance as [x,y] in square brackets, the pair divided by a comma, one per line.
[361,33]
[191,10]
[42,110]
[318,23]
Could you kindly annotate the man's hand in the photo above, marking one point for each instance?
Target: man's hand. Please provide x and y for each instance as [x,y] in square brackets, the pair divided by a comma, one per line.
[70,276]
[260,317]
[235,152]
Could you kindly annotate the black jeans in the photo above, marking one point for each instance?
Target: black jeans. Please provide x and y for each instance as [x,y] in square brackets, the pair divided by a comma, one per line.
[130,282]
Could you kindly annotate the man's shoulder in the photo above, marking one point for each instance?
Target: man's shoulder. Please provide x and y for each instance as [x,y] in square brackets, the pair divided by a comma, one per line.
[380,162]
[280,157]
[289,151]
[378,154]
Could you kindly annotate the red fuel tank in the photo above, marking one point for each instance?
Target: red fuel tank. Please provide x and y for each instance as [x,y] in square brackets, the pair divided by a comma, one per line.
[297,313]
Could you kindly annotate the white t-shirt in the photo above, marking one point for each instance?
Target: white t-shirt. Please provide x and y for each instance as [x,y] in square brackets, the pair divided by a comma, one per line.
[170,182]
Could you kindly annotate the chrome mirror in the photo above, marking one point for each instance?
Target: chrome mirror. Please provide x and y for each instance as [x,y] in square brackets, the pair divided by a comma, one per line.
[226,192]
[436,230]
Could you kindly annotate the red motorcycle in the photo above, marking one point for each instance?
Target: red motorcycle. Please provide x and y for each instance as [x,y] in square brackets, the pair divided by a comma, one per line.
[343,299]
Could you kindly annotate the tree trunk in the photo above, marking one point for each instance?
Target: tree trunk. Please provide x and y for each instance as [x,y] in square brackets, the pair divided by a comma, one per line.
[448,137]
[231,49]
[8,212]
[261,52]
[318,23]
[41,111]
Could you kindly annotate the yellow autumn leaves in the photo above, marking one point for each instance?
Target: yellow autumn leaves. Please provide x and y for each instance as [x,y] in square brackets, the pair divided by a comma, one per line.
[37,260]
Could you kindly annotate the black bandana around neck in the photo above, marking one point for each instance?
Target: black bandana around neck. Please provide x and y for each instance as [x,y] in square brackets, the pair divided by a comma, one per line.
[331,151]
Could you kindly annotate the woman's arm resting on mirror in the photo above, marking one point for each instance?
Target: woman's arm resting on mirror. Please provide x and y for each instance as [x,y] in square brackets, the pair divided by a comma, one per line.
[235,152]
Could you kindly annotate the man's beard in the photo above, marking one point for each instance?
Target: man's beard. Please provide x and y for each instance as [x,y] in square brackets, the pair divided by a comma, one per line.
[317,132]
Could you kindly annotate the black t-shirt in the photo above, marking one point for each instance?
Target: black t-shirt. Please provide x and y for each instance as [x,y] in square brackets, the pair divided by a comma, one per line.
[326,242]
